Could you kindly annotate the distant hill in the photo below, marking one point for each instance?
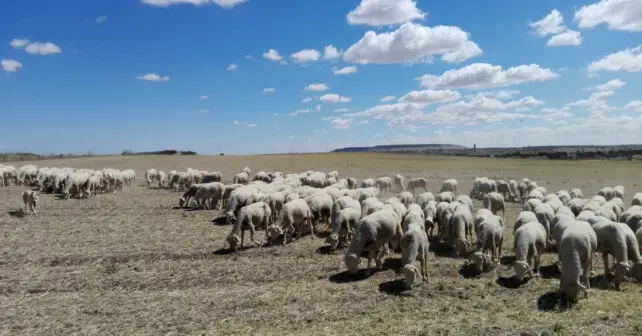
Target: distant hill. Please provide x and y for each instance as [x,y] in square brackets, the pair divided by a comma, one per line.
[400,148]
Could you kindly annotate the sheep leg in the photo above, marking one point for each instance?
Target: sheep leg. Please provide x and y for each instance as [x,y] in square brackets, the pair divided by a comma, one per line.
[242,237]
[587,273]
[537,257]
[607,270]
[252,231]
[311,226]
[499,252]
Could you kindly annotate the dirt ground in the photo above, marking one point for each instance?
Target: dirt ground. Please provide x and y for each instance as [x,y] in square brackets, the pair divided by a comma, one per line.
[129,264]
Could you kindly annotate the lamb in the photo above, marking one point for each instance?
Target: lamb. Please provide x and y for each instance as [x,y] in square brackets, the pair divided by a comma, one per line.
[576,248]
[494,202]
[414,244]
[375,230]
[461,227]
[295,214]
[418,182]
[405,197]
[530,242]
[250,216]
[399,182]
[345,221]
[30,199]
[489,229]
[383,183]
[423,198]
[430,215]
[449,185]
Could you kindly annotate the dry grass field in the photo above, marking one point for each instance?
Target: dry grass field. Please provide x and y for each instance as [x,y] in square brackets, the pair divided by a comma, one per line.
[129,264]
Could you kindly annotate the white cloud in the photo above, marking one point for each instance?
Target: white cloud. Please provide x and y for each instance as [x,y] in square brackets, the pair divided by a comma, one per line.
[36,48]
[334,98]
[301,111]
[252,125]
[342,110]
[19,43]
[283,62]
[101,19]
[567,38]
[339,123]
[305,56]
[231,67]
[306,100]
[270,90]
[413,43]
[345,70]
[384,12]
[389,110]
[551,24]
[331,52]
[248,57]
[429,97]
[153,77]
[625,60]
[387,99]
[614,84]
[363,122]
[10,65]
[623,15]
[316,87]
[221,3]
[272,55]
[483,104]
[204,111]
[597,101]
[635,106]
[235,122]
[317,108]
[203,97]
[484,75]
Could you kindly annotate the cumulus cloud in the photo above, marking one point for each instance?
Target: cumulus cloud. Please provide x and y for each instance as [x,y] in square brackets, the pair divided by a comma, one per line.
[413,43]
[248,57]
[345,70]
[301,111]
[567,38]
[387,99]
[484,75]
[338,122]
[635,106]
[19,43]
[222,3]
[384,12]
[235,122]
[316,87]
[317,108]
[252,125]
[551,24]
[203,97]
[497,94]
[35,48]
[153,77]
[272,55]
[596,103]
[334,98]
[429,97]
[331,52]
[342,110]
[611,85]
[306,100]
[101,19]
[10,65]
[231,67]
[269,90]
[306,56]
[625,60]
[623,15]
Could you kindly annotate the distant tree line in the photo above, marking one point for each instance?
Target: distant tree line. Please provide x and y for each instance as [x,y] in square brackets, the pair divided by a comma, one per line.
[161,152]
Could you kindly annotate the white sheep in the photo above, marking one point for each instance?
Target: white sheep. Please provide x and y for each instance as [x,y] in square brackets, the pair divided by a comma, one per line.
[489,229]
[446,196]
[294,216]
[343,226]
[413,216]
[637,199]
[321,207]
[399,182]
[611,239]
[375,231]
[545,215]
[494,202]
[430,216]
[530,242]
[250,217]
[564,196]
[212,192]
[368,183]
[212,177]
[576,205]
[241,178]
[370,205]
[405,197]
[465,199]
[576,247]
[414,245]
[606,192]
[577,193]
[524,217]
[531,204]
[30,199]
[461,227]
[618,191]
[383,183]
[417,182]
[423,198]
[449,185]
[352,183]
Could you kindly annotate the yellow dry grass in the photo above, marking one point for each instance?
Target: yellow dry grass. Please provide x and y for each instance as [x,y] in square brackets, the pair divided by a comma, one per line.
[129,264]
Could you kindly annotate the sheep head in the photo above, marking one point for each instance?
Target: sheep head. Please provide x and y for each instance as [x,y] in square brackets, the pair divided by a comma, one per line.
[410,273]
[333,240]
[621,269]
[352,262]
[480,260]
[181,201]
[230,218]
[573,291]
[462,246]
[234,241]
[522,270]
[273,232]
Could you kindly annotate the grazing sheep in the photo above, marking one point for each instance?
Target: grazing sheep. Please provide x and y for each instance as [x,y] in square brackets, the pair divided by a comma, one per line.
[262,176]
[212,177]
[545,215]
[414,244]
[599,199]
[632,217]
[576,247]
[606,192]
[352,183]
[239,198]
[367,193]
[418,182]
[241,178]
[637,199]
[212,191]
[577,193]
[399,182]
[449,185]
[294,214]
[461,227]
[444,214]
[414,216]
[446,196]
[576,205]
[343,226]
[368,183]
[250,216]
[531,204]
[430,215]
[383,183]
[530,242]
[536,193]
[423,198]
[405,197]
[564,196]
[494,202]
[611,239]
[30,199]
[375,231]
[465,199]
[504,188]
[607,212]
[321,208]
[523,218]
[618,191]
[489,229]
[370,205]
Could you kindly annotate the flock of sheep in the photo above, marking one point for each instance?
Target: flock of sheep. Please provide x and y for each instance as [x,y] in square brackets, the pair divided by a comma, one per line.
[288,206]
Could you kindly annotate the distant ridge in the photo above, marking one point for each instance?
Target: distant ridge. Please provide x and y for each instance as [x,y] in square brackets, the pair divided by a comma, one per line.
[399,148]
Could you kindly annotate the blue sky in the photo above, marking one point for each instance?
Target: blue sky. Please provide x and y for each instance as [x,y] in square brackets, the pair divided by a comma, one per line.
[103,76]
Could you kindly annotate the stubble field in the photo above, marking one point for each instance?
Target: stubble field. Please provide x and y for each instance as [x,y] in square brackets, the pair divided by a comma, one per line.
[128,263]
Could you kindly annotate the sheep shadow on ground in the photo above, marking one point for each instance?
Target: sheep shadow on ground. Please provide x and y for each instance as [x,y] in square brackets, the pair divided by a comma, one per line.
[220,221]
[227,250]
[395,287]
[507,260]
[510,282]
[441,250]
[347,277]
[17,213]
[468,271]
[322,234]
[602,281]
[327,250]
[553,301]
[550,272]
[394,264]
